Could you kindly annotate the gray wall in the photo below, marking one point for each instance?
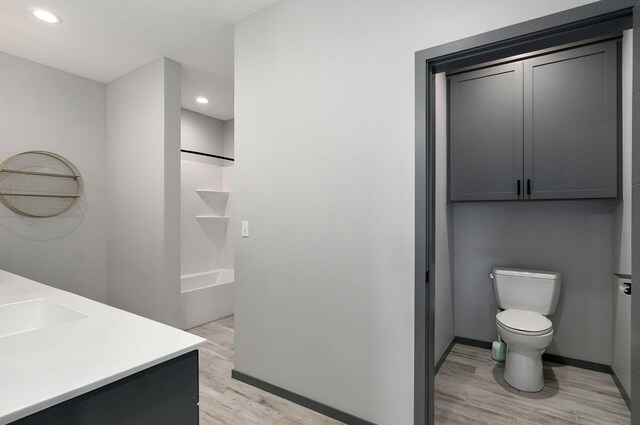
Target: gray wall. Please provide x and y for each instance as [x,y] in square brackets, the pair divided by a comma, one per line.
[571,237]
[621,351]
[202,133]
[124,137]
[44,108]
[325,175]
[635,223]
[443,277]
[143,188]
[229,138]
[622,215]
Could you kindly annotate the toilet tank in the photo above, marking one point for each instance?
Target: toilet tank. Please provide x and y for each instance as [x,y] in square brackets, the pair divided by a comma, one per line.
[522,289]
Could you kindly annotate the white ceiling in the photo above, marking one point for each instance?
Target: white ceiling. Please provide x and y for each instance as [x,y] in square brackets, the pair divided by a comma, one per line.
[105,39]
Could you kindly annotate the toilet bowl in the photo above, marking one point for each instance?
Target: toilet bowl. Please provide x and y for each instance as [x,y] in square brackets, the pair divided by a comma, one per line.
[527,335]
[526,297]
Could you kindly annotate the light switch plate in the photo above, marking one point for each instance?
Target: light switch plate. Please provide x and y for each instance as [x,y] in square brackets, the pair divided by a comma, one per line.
[245,229]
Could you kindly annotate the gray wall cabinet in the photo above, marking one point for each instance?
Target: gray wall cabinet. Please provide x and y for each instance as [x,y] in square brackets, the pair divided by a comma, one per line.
[486,134]
[540,128]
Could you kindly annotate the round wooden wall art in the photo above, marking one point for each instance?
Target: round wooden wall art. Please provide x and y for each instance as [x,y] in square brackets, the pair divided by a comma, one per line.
[39,184]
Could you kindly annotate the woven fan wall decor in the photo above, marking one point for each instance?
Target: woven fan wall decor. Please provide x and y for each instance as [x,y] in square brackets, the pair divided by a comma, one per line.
[39,184]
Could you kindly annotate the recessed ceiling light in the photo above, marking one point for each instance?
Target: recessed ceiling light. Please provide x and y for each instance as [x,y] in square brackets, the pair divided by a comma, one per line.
[202,99]
[46,16]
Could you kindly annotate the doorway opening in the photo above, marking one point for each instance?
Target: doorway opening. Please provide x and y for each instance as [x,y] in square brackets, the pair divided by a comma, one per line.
[573,26]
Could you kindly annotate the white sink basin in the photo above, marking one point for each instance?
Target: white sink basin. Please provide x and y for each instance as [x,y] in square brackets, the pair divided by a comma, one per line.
[34,314]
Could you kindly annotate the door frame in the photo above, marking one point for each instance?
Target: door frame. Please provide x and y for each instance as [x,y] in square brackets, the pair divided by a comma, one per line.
[573,25]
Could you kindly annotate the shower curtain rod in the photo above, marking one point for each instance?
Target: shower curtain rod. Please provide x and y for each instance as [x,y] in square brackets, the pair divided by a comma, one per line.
[207,154]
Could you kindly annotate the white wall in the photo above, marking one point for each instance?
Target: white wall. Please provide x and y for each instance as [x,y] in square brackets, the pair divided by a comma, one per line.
[227,184]
[443,276]
[229,152]
[229,138]
[324,115]
[206,241]
[205,244]
[202,240]
[47,109]
[143,188]
[201,133]
[135,264]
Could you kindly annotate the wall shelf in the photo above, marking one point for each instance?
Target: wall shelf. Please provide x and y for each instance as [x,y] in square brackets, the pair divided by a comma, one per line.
[212,217]
[39,184]
[216,200]
[206,192]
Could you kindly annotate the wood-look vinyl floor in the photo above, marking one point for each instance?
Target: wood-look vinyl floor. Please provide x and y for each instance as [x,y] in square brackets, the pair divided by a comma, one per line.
[225,401]
[470,389]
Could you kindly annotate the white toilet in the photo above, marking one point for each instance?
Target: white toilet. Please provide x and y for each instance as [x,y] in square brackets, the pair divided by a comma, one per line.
[526,296]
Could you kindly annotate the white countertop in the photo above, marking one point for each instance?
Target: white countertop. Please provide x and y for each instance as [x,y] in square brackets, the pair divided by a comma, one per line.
[43,367]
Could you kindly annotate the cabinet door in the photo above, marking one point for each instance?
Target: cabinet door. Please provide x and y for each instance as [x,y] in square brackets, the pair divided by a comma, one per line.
[570,124]
[485,129]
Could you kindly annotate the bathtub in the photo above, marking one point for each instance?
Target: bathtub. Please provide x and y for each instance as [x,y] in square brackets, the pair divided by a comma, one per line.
[206,297]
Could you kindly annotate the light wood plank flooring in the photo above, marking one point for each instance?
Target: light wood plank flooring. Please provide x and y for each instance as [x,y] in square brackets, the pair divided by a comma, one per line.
[470,389]
[225,401]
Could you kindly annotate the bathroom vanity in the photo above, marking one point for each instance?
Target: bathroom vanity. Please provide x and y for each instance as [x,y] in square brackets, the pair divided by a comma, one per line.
[68,359]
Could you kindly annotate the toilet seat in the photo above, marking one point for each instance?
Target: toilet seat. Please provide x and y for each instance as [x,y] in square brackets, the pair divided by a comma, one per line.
[524,322]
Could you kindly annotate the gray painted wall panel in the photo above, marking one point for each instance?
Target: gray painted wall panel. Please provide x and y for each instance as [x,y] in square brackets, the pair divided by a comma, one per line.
[635,151]
[635,225]
[621,359]
[622,215]
[636,50]
[635,268]
[621,355]
[443,275]
[635,401]
[572,237]
[635,319]
[635,230]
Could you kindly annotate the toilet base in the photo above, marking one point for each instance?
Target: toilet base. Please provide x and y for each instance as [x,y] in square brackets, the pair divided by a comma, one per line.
[523,369]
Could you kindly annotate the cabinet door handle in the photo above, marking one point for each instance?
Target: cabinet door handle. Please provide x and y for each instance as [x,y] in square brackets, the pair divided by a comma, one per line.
[518,187]
[528,186]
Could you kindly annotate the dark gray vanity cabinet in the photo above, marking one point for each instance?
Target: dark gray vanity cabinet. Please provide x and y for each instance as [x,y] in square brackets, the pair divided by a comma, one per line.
[165,394]
[541,128]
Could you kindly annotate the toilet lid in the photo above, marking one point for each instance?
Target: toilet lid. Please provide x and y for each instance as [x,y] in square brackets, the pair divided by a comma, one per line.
[524,321]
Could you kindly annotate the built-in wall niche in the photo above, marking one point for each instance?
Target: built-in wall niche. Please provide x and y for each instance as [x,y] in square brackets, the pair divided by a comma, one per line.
[216,223]
[207,276]
[207,249]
